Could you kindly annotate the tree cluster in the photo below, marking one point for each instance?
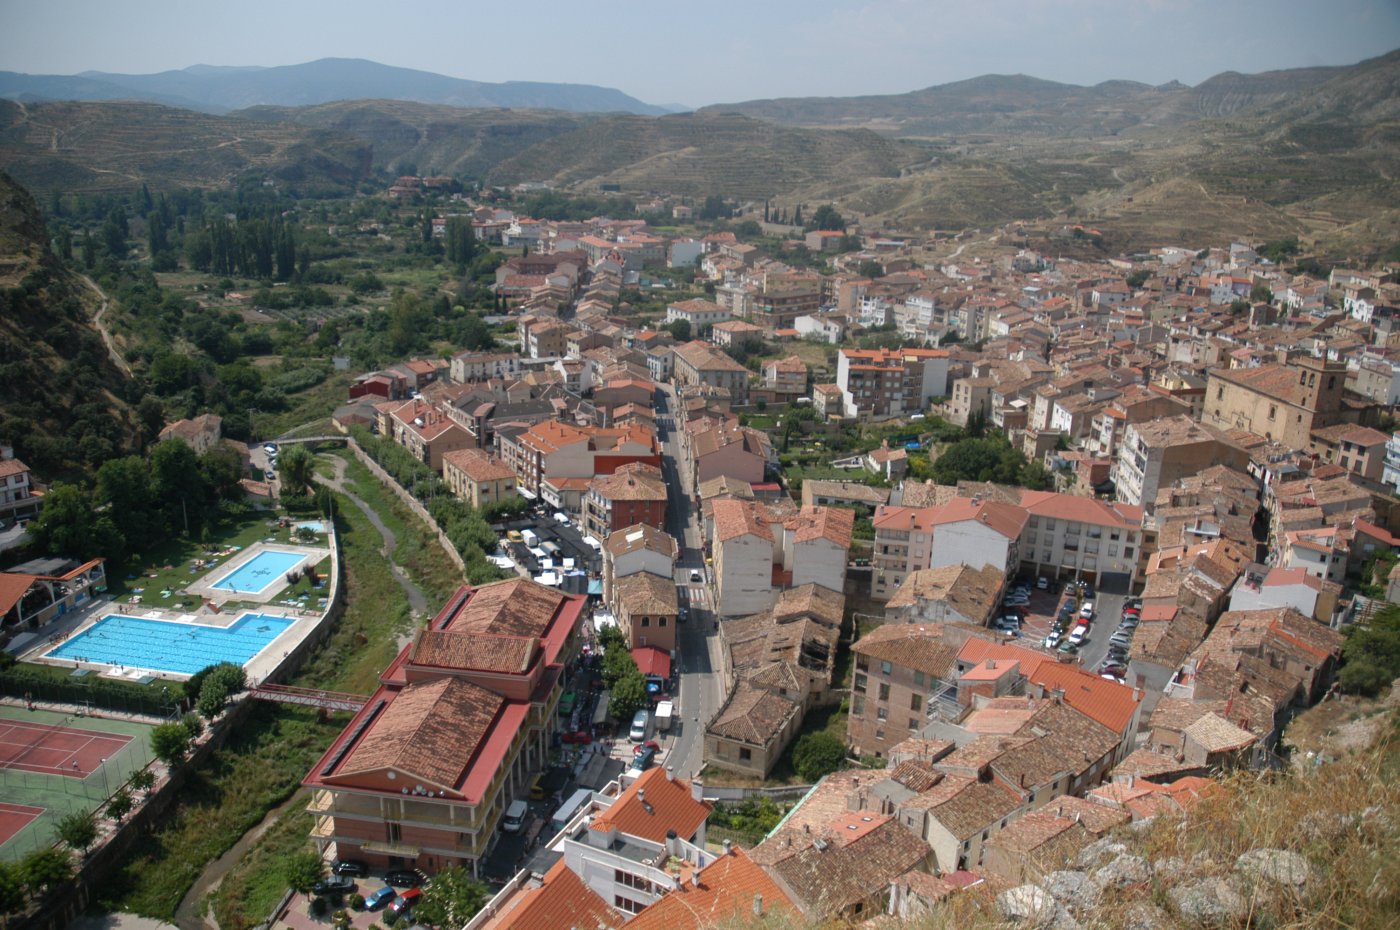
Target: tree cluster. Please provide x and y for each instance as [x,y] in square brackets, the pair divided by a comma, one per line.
[988,458]
[1371,654]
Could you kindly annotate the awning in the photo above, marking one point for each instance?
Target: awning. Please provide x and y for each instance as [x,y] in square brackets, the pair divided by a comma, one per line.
[527,494]
[595,588]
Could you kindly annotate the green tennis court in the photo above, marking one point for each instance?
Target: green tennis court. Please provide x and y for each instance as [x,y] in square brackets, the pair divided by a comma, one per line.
[38,796]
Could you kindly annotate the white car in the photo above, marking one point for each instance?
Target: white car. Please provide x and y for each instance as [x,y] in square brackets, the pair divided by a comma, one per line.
[695,575]
[1080,633]
[1087,611]
[1051,641]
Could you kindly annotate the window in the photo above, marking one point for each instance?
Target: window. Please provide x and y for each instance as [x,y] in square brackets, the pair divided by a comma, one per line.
[918,679]
[1128,552]
[1220,393]
[884,692]
[915,702]
[745,755]
[886,668]
[660,621]
[913,724]
[858,686]
[858,705]
[882,714]
[646,621]
[880,735]
[627,904]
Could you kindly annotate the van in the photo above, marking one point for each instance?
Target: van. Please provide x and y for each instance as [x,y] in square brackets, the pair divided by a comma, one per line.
[514,817]
[639,726]
[572,806]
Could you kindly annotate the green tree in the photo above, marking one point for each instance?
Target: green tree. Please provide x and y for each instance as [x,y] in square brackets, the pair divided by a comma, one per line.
[1371,654]
[295,467]
[1138,278]
[679,330]
[121,804]
[78,831]
[170,742]
[45,869]
[870,269]
[450,898]
[303,870]
[816,755]
[1260,294]
[12,896]
[826,217]
[628,695]
[223,681]
[176,481]
[71,525]
[143,781]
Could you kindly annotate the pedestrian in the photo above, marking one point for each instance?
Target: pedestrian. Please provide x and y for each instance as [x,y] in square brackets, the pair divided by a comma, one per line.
[29,700]
[75,767]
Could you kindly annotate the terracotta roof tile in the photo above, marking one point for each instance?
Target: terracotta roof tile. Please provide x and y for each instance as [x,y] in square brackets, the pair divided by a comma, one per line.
[563,900]
[724,891]
[652,805]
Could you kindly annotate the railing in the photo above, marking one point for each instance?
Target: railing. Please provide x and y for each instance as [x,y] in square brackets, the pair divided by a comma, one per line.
[311,697]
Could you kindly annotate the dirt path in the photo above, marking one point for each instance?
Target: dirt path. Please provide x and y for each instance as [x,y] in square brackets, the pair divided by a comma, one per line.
[187,915]
[417,601]
[102,327]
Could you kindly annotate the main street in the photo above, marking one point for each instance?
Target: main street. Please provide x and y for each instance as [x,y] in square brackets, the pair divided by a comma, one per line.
[699,689]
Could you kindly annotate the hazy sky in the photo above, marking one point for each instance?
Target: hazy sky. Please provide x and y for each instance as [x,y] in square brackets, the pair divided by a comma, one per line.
[712,51]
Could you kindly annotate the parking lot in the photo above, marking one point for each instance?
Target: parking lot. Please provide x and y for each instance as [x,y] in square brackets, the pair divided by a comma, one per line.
[1044,607]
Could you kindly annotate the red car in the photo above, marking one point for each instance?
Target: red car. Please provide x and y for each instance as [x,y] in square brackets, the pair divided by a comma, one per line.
[649,744]
[576,736]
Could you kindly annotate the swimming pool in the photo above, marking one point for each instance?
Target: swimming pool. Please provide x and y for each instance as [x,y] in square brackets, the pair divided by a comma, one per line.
[140,642]
[265,569]
[315,526]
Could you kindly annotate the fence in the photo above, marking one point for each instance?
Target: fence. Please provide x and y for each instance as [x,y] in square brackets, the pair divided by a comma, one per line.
[61,794]
[781,793]
[161,702]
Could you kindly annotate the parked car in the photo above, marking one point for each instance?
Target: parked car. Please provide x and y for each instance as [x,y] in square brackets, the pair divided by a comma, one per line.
[649,744]
[381,898]
[1042,583]
[404,902]
[1069,646]
[1086,612]
[1080,634]
[638,732]
[695,575]
[582,737]
[404,878]
[1116,669]
[514,817]
[352,867]
[642,761]
[681,615]
[1051,641]
[336,884]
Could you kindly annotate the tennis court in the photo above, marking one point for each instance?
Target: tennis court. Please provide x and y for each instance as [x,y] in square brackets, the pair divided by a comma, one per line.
[14,818]
[40,786]
[55,750]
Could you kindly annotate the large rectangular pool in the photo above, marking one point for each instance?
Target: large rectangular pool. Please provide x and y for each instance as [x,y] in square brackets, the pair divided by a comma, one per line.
[265,569]
[140,642]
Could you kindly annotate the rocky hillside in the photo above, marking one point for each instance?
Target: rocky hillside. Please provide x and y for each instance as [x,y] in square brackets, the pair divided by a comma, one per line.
[429,139]
[715,153]
[118,146]
[62,400]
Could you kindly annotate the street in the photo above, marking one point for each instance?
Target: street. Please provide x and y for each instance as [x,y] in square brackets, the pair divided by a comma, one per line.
[699,693]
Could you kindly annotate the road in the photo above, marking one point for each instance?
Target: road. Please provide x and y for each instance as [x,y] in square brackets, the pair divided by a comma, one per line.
[102,327]
[697,647]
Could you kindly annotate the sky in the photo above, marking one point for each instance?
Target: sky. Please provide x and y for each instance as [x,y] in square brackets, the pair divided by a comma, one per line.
[715,51]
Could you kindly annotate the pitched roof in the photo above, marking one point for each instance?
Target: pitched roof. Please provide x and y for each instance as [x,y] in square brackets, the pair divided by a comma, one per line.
[914,646]
[724,890]
[641,536]
[829,877]
[644,592]
[734,518]
[478,465]
[752,715]
[429,731]
[833,524]
[1006,519]
[562,900]
[652,805]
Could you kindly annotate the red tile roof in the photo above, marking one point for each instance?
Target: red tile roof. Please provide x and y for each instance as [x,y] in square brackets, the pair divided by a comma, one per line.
[725,890]
[563,900]
[652,805]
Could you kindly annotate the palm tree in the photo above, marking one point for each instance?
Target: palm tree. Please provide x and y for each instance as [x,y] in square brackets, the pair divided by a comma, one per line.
[296,468]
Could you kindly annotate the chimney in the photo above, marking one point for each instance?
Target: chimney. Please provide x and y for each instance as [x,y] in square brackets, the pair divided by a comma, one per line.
[758,905]
[1058,694]
[728,848]
[642,795]
[670,773]
[991,663]
[697,789]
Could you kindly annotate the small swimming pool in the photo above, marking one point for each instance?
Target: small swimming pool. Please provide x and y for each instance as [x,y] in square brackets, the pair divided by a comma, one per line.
[265,569]
[140,642]
[315,526]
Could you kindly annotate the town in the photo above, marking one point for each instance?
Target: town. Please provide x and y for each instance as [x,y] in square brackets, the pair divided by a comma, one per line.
[965,563]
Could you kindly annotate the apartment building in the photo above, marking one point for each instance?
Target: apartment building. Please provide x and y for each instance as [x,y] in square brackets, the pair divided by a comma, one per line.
[697,313]
[890,382]
[461,720]
[899,669]
[742,548]
[478,477]
[554,449]
[697,363]
[1080,537]
[637,548]
[963,531]
[17,498]
[1157,453]
[635,493]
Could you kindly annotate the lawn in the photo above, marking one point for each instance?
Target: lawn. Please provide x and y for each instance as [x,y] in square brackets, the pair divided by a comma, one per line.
[169,568]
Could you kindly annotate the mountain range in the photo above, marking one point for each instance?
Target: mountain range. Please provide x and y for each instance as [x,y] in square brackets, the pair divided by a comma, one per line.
[211,89]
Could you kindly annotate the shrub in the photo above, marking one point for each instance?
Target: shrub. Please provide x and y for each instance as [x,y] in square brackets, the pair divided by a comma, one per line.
[817,754]
[357,902]
[318,907]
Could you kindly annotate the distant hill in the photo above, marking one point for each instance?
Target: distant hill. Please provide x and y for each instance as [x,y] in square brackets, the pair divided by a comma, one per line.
[222,89]
[120,145]
[707,153]
[428,138]
[62,400]
[1020,105]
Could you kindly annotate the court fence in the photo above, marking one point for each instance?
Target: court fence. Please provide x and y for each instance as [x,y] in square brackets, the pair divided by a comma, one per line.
[91,792]
[162,702]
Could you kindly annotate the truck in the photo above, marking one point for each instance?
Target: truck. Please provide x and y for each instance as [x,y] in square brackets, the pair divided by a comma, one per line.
[664,712]
[531,538]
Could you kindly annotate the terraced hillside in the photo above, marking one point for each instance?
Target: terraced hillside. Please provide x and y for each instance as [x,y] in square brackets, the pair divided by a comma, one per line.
[430,138]
[695,154]
[116,146]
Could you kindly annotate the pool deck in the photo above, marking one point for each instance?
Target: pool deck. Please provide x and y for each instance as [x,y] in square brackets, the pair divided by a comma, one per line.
[258,667]
[204,586]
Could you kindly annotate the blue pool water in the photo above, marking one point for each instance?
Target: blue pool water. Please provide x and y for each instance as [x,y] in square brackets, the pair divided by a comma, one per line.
[262,571]
[316,526]
[139,642]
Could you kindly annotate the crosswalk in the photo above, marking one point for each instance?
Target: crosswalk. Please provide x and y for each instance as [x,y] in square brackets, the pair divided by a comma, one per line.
[697,596]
